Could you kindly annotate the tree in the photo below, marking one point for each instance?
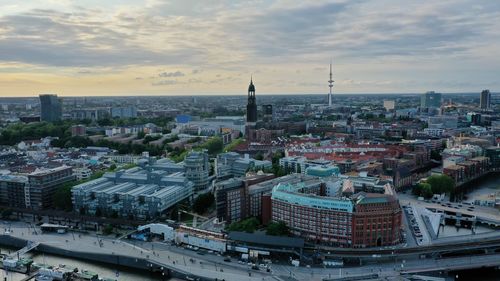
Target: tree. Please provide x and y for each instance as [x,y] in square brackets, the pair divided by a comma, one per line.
[105,122]
[248,225]
[5,214]
[259,156]
[107,230]
[203,202]
[424,190]
[441,184]
[435,155]
[62,197]
[214,145]
[277,229]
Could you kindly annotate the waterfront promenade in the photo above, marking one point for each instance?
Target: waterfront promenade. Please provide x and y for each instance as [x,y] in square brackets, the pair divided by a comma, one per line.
[212,266]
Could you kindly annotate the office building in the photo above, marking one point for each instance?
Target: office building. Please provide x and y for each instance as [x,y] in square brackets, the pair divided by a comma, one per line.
[124,112]
[232,197]
[430,100]
[197,167]
[485,99]
[300,164]
[90,113]
[232,164]
[442,122]
[143,192]
[43,185]
[389,105]
[51,108]
[230,200]
[12,191]
[346,219]
[493,153]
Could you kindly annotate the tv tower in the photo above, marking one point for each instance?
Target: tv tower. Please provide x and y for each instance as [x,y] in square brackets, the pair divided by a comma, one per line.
[330,84]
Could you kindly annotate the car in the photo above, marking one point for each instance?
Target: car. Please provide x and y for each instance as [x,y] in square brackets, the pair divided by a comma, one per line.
[262,265]
[254,267]
[200,253]
[227,259]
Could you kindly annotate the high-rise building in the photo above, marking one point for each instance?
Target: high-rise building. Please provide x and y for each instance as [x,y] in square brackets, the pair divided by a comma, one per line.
[51,108]
[197,168]
[252,104]
[430,100]
[485,99]
[124,112]
[389,105]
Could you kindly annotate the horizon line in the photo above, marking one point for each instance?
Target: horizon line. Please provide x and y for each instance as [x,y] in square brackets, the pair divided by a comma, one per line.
[238,94]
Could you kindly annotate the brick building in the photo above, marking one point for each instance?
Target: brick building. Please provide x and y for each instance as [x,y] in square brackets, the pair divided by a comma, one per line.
[357,221]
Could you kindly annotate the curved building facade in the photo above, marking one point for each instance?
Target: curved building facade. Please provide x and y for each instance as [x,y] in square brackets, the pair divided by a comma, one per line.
[361,220]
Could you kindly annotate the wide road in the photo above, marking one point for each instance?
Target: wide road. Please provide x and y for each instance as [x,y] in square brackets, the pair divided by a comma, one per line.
[210,265]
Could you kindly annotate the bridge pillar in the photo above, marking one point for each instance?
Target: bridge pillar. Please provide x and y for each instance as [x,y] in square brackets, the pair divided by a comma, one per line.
[457,223]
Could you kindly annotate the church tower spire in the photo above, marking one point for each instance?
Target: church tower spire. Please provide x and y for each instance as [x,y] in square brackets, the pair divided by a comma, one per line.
[252,103]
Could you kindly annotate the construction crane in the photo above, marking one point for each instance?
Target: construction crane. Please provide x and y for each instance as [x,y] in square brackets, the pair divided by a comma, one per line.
[195,217]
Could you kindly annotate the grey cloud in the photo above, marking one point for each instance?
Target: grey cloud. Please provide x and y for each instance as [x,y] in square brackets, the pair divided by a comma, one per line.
[51,38]
[171,74]
[351,30]
[165,83]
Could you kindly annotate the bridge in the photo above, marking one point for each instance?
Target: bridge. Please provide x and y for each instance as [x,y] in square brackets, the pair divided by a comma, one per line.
[29,246]
[463,263]
[479,242]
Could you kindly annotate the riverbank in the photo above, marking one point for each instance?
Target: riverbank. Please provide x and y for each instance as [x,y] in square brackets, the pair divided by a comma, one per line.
[144,265]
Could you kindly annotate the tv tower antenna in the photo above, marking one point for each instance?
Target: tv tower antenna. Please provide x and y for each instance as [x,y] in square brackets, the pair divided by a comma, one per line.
[330,84]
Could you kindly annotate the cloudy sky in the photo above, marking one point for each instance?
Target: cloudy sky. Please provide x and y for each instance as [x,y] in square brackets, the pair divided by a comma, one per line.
[167,47]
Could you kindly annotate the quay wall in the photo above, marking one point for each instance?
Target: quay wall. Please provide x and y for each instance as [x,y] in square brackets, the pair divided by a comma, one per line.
[144,264]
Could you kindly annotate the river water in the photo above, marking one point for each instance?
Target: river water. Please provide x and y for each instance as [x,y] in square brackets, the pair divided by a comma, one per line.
[104,270]
[488,185]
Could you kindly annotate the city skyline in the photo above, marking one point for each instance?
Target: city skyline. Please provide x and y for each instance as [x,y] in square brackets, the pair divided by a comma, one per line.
[173,48]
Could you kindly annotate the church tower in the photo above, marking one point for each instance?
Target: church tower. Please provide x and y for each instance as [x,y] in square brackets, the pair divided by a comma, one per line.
[252,104]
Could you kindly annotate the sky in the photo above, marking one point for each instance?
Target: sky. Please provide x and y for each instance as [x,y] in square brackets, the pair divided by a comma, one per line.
[190,47]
